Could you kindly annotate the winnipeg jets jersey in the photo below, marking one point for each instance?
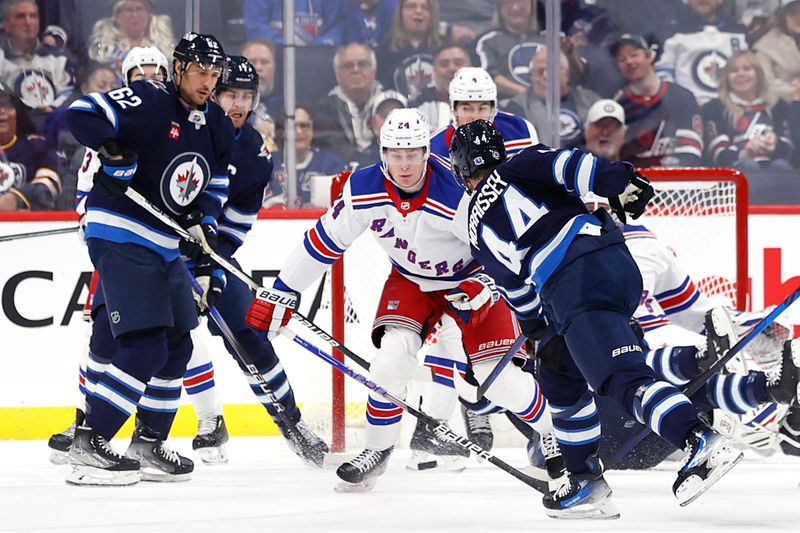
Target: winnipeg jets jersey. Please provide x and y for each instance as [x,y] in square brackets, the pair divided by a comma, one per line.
[417,233]
[182,164]
[517,133]
[29,170]
[524,217]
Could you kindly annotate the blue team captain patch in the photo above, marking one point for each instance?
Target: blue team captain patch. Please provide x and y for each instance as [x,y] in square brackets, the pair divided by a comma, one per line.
[186,176]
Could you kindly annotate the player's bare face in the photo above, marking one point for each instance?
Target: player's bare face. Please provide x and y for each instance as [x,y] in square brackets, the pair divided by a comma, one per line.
[237,103]
[146,72]
[467,112]
[605,137]
[633,62]
[406,167]
[743,79]
[198,82]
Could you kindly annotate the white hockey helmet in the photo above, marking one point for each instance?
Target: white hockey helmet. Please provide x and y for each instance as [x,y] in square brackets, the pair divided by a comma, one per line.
[594,201]
[404,128]
[472,84]
[139,56]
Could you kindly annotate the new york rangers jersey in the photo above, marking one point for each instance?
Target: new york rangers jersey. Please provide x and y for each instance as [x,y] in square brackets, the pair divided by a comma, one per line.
[417,233]
[524,218]
[183,158]
[516,131]
[662,130]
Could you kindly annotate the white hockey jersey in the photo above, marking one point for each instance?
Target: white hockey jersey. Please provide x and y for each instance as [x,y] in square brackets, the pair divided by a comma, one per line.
[695,59]
[90,164]
[419,234]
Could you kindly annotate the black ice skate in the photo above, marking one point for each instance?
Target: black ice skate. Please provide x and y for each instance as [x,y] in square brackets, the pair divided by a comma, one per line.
[783,386]
[360,474]
[429,452]
[94,461]
[305,443]
[479,430]
[790,431]
[60,443]
[581,496]
[158,463]
[720,337]
[546,466]
[210,440]
[709,456]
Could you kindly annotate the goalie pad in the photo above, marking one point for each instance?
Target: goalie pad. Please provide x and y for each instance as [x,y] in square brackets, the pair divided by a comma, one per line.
[767,347]
[757,429]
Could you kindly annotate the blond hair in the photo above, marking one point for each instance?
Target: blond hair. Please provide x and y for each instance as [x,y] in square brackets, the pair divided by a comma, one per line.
[734,111]
[106,38]
[397,34]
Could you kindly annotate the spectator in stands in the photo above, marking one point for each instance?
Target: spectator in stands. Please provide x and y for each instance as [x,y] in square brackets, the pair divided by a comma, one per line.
[405,56]
[575,102]
[652,18]
[311,162]
[466,19]
[507,51]
[380,106]
[663,119]
[132,23]
[40,76]
[779,53]
[747,127]
[29,178]
[757,16]
[434,102]
[55,37]
[590,64]
[369,21]
[316,22]
[263,55]
[698,46]
[604,130]
[341,116]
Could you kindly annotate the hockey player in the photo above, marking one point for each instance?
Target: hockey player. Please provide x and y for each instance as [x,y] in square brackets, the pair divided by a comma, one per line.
[174,146]
[250,170]
[566,272]
[408,203]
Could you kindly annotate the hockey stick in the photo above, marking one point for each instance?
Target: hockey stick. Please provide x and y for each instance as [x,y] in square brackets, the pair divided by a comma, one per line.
[227,265]
[501,364]
[43,233]
[700,380]
[440,429]
[247,362]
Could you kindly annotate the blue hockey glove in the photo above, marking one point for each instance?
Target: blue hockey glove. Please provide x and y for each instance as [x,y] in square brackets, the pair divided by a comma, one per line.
[204,229]
[115,172]
[212,280]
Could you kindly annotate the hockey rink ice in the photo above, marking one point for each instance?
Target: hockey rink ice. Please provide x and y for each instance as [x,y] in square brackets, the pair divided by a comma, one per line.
[265,488]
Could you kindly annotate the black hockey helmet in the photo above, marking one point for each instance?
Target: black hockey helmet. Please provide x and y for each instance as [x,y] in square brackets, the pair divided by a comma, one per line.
[475,146]
[201,48]
[239,74]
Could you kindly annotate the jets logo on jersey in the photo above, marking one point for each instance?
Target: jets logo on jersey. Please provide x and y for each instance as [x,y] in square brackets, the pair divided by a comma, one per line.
[183,180]
[519,62]
[414,74]
[35,89]
[174,131]
[8,177]
[264,151]
[706,69]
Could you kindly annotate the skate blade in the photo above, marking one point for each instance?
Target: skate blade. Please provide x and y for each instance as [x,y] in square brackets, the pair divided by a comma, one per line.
[693,487]
[215,455]
[89,476]
[345,487]
[156,475]
[421,461]
[332,461]
[58,457]
[605,510]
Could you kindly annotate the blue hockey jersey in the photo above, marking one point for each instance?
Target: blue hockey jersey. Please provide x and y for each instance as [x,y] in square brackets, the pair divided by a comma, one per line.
[522,220]
[250,171]
[182,165]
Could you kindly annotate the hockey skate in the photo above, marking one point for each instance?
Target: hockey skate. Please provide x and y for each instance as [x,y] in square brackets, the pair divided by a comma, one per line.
[94,461]
[709,456]
[720,337]
[790,432]
[305,443]
[479,429]
[428,452]
[783,386]
[158,463]
[59,443]
[360,474]
[546,463]
[210,440]
[580,497]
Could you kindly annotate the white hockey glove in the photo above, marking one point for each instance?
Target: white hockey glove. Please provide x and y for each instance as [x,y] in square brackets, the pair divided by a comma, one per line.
[473,298]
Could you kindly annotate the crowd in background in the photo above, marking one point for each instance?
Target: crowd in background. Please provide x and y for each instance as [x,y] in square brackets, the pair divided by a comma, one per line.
[698,82]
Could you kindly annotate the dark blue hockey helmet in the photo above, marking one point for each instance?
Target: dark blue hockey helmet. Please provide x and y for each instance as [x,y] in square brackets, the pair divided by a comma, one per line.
[239,73]
[203,49]
[475,146]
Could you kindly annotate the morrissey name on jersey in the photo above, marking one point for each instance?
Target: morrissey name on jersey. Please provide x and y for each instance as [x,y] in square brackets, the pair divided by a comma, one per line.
[489,192]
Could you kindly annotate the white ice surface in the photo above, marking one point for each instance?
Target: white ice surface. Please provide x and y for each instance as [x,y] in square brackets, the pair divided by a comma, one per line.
[265,488]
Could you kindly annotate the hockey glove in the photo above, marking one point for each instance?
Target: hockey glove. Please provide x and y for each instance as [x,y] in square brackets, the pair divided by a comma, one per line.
[473,298]
[115,172]
[634,198]
[204,229]
[271,310]
[533,328]
[212,280]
